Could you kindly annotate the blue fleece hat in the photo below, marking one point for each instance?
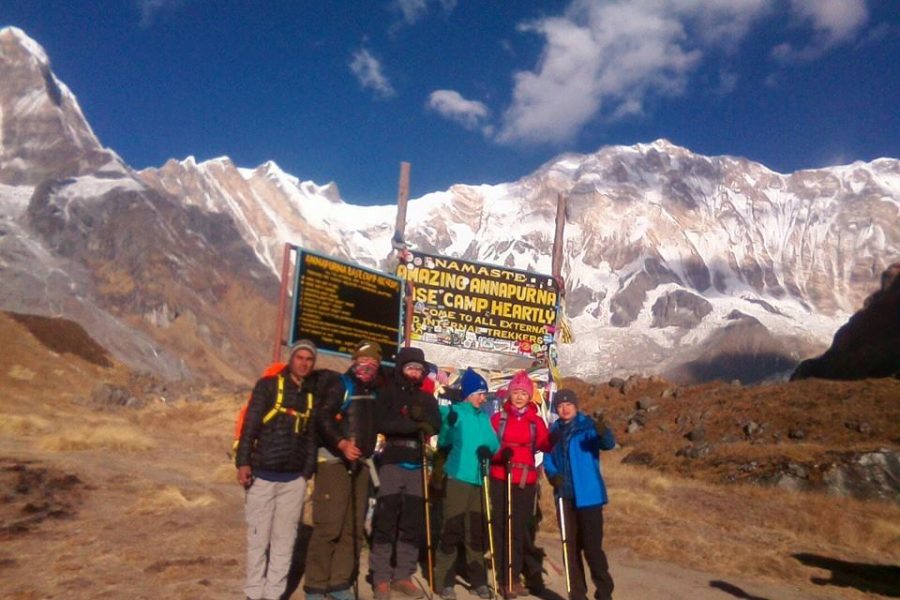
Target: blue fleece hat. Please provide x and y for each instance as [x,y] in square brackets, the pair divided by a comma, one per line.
[472,383]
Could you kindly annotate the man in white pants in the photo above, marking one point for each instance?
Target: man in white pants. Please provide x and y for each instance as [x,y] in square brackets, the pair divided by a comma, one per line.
[276,456]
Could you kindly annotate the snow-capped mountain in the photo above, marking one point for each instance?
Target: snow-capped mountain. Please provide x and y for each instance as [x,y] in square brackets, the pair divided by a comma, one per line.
[671,257]
[697,267]
[167,288]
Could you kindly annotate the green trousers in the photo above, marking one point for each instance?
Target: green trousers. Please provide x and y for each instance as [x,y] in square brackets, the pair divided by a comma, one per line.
[463,525]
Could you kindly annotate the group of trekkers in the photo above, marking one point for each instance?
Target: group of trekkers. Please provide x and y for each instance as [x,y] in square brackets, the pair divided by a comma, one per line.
[303,422]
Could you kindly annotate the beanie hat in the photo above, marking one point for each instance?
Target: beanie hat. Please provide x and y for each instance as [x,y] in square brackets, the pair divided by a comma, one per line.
[521,381]
[565,396]
[367,348]
[303,344]
[472,383]
[410,355]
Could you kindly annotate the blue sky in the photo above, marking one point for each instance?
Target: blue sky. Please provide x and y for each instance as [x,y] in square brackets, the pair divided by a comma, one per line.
[474,92]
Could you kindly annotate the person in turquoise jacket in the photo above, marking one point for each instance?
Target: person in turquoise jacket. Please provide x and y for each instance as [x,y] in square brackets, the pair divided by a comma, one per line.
[466,438]
[573,469]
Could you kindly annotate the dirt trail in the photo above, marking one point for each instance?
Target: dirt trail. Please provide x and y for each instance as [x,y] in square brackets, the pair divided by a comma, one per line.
[155,525]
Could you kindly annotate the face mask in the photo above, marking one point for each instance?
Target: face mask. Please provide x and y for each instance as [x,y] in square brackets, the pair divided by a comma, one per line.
[365,372]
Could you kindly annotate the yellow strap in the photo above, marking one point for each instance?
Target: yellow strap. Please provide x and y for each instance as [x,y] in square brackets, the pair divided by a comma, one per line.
[278,408]
[278,400]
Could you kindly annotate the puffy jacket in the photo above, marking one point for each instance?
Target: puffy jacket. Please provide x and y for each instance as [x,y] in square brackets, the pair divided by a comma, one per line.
[576,457]
[342,415]
[462,439]
[517,436]
[276,445]
[400,400]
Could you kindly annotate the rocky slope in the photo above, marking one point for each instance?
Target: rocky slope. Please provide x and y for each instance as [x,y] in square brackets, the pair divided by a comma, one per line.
[869,344]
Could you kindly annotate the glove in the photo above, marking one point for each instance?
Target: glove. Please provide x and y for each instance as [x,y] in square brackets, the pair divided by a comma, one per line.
[452,418]
[416,412]
[555,481]
[555,436]
[506,454]
[599,423]
[484,453]
[437,472]
[426,428]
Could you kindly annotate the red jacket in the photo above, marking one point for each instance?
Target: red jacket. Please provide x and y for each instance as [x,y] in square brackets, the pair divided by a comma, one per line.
[517,435]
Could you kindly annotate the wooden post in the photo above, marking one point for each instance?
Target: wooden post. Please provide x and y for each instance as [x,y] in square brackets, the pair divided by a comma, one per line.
[557,256]
[282,302]
[556,271]
[402,198]
[408,314]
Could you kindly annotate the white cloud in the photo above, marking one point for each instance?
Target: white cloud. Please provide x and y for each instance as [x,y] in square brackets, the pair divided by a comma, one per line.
[150,8]
[833,22]
[413,11]
[451,105]
[368,71]
[603,58]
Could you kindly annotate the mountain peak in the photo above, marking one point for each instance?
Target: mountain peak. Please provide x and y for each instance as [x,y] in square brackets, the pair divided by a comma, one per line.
[51,138]
[14,37]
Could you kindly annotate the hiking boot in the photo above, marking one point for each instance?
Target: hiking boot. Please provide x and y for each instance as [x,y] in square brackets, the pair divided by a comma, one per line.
[407,588]
[448,593]
[519,590]
[484,592]
[383,591]
[507,593]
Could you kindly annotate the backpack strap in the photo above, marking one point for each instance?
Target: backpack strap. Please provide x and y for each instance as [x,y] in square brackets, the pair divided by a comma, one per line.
[299,417]
[531,426]
[348,392]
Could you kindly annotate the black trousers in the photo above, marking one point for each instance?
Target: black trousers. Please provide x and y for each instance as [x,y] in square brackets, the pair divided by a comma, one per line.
[584,537]
[522,513]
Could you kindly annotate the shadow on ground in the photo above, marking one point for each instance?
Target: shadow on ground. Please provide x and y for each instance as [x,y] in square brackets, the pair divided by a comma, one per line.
[734,590]
[876,579]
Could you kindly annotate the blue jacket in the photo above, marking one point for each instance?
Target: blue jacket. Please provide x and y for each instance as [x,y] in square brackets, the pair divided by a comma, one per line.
[576,458]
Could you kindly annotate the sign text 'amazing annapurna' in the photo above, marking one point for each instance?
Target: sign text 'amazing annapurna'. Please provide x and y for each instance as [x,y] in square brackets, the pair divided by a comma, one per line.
[483,307]
[338,304]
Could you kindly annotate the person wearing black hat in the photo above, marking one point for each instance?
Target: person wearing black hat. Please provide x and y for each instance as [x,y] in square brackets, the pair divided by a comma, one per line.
[346,425]
[573,469]
[407,415]
[275,457]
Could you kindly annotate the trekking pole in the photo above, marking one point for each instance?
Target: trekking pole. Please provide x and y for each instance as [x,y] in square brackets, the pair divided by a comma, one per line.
[560,507]
[509,535]
[352,471]
[488,515]
[427,499]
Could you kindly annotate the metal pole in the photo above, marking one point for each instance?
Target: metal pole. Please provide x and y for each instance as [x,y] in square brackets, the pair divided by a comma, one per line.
[560,507]
[488,515]
[282,302]
[509,535]
[427,499]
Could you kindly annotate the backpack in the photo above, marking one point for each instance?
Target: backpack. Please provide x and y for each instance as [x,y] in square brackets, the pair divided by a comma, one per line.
[273,369]
[531,426]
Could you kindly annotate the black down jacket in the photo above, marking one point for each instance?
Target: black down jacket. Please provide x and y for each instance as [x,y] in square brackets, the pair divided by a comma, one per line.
[284,444]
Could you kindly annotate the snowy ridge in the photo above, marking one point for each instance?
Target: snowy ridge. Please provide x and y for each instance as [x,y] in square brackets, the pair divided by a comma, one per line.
[795,252]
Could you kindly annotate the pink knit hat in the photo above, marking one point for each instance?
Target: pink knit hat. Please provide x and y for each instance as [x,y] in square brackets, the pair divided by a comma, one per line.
[521,381]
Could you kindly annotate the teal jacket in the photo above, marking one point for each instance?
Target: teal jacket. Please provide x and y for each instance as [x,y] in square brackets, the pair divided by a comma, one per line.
[471,430]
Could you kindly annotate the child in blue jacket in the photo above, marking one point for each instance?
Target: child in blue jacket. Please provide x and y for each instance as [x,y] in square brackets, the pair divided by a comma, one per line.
[573,468]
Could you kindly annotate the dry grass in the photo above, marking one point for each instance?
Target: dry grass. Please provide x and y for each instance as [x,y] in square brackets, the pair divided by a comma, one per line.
[168,498]
[224,473]
[738,529]
[21,425]
[107,437]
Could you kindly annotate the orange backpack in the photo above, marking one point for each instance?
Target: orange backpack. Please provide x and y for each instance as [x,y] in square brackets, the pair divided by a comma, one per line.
[272,370]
